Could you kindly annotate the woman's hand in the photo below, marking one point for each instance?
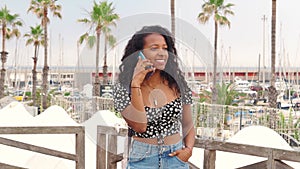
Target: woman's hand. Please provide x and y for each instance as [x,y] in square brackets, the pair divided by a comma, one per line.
[183,154]
[140,72]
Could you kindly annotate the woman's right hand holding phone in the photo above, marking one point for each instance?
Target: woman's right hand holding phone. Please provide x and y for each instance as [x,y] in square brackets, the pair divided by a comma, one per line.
[142,68]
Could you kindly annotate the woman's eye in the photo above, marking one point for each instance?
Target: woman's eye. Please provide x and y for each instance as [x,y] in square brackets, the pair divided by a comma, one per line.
[154,49]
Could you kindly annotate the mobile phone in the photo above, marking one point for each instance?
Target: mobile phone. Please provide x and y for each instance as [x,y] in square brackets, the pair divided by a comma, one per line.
[142,56]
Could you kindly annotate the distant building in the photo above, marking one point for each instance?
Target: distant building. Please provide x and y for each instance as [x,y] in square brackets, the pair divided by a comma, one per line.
[78,77]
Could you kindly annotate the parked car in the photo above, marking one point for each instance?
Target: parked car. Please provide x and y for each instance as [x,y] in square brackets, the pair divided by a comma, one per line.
[18,95]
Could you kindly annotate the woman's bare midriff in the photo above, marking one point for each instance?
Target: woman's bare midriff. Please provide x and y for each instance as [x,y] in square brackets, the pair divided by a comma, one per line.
[169,140]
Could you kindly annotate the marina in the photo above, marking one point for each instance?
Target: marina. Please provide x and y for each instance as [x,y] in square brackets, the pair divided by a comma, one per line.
[247,136]
[249,108]
[57,82]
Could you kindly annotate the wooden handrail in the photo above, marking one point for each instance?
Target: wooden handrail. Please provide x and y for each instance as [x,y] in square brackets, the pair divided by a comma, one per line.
[42,130]
[274,156]
[38,149]
[79,157]
[279,154]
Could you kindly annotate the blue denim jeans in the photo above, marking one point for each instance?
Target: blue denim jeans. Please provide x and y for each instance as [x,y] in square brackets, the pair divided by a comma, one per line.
[148,156]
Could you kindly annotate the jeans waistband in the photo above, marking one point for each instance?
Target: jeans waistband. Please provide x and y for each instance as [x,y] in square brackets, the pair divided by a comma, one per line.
[156,149]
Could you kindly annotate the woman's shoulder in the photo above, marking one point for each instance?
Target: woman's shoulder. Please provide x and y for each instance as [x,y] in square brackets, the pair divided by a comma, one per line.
[186,96]
[119,87]
[121,97]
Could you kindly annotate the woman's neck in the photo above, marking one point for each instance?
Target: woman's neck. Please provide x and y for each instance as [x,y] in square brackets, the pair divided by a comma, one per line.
[154,80]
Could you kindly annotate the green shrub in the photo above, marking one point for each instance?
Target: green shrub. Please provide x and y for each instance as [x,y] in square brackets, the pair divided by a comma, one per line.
[67,94]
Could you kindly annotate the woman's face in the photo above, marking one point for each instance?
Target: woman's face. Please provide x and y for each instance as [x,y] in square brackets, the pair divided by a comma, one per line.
[155,49]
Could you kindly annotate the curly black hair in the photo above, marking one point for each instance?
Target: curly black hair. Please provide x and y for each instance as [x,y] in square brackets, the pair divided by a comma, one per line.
[171,73]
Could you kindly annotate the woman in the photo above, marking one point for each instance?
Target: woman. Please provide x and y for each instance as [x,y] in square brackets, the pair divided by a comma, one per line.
[155,101]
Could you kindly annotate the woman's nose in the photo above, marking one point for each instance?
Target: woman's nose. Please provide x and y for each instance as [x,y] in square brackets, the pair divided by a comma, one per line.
[162,52]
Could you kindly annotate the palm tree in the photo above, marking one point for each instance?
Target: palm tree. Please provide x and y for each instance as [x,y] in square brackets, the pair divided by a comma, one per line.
[219,11]
[101,16]
[109,40]
[41,8]
[272,93]
[35,37]
[226,94]
[7,19]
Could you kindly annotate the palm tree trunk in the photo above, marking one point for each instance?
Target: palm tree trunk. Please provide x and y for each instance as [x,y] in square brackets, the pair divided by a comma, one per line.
[46,67]
[214,91]
[272,90]
[3,60]
[2,78]
[15,84]
[97,80]
[214,112]
[105,76]
[34,77]
[172,5]
[273,39]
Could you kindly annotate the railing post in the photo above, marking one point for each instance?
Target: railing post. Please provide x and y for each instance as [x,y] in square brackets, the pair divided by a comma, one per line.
[271,161]
[112,151]
[78,158]
[80,149]
[209,159]
[101,153]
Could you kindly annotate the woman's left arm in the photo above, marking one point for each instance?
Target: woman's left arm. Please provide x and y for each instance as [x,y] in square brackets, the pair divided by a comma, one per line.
[188,132]
[188,126]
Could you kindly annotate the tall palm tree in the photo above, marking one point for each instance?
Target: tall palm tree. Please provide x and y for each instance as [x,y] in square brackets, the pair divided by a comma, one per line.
[41,9]
[6,20]
[109,40]
[101,16]
[219,11]
[35,37]
[272,94]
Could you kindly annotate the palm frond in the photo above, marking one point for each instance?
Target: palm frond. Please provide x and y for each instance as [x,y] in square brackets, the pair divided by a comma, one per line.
[203,18]
[91,41]
[82,38]
[111,40]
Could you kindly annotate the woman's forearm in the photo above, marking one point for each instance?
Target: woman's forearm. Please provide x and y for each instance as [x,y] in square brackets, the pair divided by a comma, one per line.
[188,126]
[135,114]
[189,139]
[137,99]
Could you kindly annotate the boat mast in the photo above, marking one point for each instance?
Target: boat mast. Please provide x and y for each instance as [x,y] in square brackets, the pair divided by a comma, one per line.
[263,54]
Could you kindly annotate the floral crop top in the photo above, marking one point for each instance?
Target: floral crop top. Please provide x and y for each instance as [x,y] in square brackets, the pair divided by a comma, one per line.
[162,121]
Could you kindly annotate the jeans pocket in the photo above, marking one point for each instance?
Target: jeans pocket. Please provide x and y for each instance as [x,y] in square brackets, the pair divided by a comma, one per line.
[179,160]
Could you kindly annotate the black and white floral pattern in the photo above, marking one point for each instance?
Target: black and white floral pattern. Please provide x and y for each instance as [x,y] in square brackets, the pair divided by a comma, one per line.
[163,121]
[121,97]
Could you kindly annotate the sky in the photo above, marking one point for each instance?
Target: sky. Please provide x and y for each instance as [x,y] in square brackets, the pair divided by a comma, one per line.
[239,46]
